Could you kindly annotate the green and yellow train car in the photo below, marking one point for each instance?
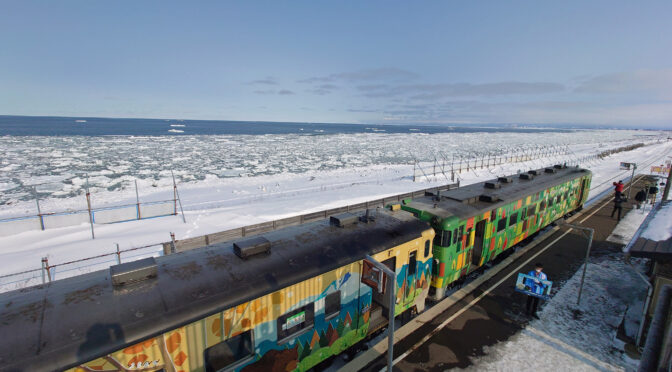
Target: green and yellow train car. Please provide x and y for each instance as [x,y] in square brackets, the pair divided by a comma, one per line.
[476,223]
[284,301]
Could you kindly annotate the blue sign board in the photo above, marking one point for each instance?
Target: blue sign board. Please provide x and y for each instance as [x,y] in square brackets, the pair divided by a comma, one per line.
[533,286]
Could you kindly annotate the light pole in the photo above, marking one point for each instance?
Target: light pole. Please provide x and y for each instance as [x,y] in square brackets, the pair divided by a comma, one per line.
[590,232]
[390,276]
[667,184]
[632,178]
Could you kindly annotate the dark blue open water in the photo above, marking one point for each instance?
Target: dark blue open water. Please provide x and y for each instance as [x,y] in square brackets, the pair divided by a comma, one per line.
[69,126]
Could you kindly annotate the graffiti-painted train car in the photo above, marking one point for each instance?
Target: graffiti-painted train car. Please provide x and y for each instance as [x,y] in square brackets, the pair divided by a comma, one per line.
[476,223]
[282,301]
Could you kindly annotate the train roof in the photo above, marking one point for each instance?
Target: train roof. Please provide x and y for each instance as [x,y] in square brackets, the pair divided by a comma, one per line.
[78,319]
[472,200]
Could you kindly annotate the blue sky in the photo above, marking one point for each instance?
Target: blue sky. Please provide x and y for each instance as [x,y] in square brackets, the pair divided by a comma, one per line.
[458,62]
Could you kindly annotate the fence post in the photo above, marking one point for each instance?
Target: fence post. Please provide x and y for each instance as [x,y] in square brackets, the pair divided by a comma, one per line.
[118,254]
[137,198]
[88,204]
[177,196]
[173,248]
[174,197]
[44,277]
[45,268]
[442,166]
[39,213]
[413,171]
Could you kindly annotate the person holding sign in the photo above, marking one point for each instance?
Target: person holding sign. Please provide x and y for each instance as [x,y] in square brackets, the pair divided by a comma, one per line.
[537,286]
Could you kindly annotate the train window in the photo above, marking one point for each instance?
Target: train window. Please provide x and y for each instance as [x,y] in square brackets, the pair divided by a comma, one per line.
[294,322]
[412,263]
[445,241]
[523,214]
[332,305]
[437,238]
[493,215]
[442,239]
[427,247]
[530,210]
[229,352]
[513,219]
[542,205]
[454,236]
[501,225]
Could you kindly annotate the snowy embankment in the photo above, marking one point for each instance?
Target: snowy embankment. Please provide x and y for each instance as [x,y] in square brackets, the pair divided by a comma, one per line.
[213,205]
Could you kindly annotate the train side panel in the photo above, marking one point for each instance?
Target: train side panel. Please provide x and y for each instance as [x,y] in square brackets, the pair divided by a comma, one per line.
[292,329]
[468,244]
[412,263]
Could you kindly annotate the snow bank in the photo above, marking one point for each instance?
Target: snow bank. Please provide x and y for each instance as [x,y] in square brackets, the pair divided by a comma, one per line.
[660,226]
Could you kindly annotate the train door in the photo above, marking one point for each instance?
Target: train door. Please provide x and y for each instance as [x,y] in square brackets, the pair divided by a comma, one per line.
[380,299]
[581,191]
[478,242]
[409,291]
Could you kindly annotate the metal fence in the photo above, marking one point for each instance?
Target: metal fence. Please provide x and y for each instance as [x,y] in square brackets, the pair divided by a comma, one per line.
[176,246]
[112,214]
[49,272]
[453,168]
[109,214]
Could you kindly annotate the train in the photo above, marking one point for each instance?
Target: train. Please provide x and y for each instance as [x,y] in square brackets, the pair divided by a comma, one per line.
[286,300]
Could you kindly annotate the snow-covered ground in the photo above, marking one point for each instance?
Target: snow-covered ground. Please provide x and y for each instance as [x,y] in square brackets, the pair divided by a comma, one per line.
[571,337]
[216,204]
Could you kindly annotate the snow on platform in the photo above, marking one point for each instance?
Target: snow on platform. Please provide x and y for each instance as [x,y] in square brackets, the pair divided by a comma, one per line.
[577,338]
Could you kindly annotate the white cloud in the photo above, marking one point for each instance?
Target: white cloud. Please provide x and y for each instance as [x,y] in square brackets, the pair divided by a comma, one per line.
[652,83]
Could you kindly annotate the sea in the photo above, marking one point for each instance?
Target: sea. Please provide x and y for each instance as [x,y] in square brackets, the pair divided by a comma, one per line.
[56,157]
[87,126]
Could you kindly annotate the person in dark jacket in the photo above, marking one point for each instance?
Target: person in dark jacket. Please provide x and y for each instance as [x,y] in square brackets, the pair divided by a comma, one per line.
[617,207]
[618,188]
[640,197]
[653,190]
